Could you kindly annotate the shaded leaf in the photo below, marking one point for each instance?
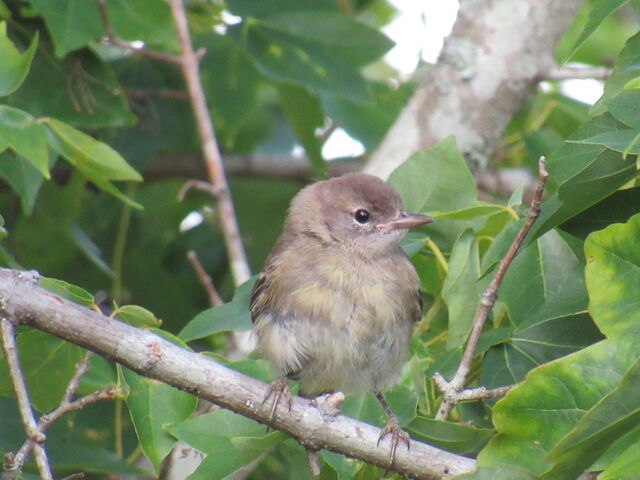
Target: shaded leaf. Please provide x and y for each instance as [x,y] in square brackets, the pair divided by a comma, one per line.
[454,437]
[304,113]
[81,89]
[48,363]
[23,177]
[89,248]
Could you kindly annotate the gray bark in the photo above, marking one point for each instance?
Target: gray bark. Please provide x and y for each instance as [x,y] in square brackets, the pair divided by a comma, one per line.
[489,66]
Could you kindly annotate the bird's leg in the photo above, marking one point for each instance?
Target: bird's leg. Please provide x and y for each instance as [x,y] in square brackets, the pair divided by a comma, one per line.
[278,389]
[392,428]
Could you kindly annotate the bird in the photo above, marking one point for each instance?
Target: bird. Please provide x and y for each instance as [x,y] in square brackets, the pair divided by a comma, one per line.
[336,301]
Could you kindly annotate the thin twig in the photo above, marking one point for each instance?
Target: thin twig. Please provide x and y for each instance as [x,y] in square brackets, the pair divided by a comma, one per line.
[452,391]
[158,93]
[569,73]
[118,42]
[34,435]
[81,368]
[215,170]
[201,185]
[214,297]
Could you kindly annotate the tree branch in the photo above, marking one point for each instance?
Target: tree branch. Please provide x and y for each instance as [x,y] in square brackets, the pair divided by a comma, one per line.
[452,392]
[486,71]
[22,301]
[568,73]
[34,435]
[213,161]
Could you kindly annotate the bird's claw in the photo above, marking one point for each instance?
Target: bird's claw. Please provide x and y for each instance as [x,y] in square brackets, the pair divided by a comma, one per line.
[393,428]
[280,389]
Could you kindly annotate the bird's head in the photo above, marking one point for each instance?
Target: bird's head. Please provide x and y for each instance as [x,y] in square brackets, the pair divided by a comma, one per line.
[356,211]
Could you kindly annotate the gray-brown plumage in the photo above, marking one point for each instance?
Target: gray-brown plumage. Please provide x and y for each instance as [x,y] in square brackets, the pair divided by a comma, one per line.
[335,305]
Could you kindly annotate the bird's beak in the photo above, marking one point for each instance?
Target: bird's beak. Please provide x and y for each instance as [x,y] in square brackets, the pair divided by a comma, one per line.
[404,221]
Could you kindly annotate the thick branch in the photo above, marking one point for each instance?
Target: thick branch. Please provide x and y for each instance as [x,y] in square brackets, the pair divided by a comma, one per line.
[486,71]
[24,302]
[215,169]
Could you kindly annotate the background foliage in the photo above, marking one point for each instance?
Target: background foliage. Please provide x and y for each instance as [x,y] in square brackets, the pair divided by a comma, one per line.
[82,122]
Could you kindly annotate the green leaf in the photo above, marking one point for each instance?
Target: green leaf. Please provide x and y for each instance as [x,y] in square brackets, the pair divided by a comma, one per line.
[250,8]
[318,50]
[66,290]
[613,278]
[233,97]
[402,401]
[80,89]
[470,212]
[617,208]
[229,440]
[625,106]
[96,160]
[454,437]
[89,248]
[48,363]
[232,316]
[87,153]
[344,467]
[626,69]
[624,466]
[438,180]
[536,414]
[23,177]
[625,140]
[148,21]
[152,405]
[501,472]
[368,121]
[25,136]
[304,113]
[616,414]
[601,9]
[460,290]
[545,295]
[137,316]
[14,66]
[586,173]
[75,455]
[72,23]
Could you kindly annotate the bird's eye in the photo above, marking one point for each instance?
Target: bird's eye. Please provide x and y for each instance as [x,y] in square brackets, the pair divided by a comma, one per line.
[361,215]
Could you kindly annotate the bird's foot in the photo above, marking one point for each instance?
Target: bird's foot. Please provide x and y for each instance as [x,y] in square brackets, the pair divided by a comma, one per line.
[279,390]
[397,434]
